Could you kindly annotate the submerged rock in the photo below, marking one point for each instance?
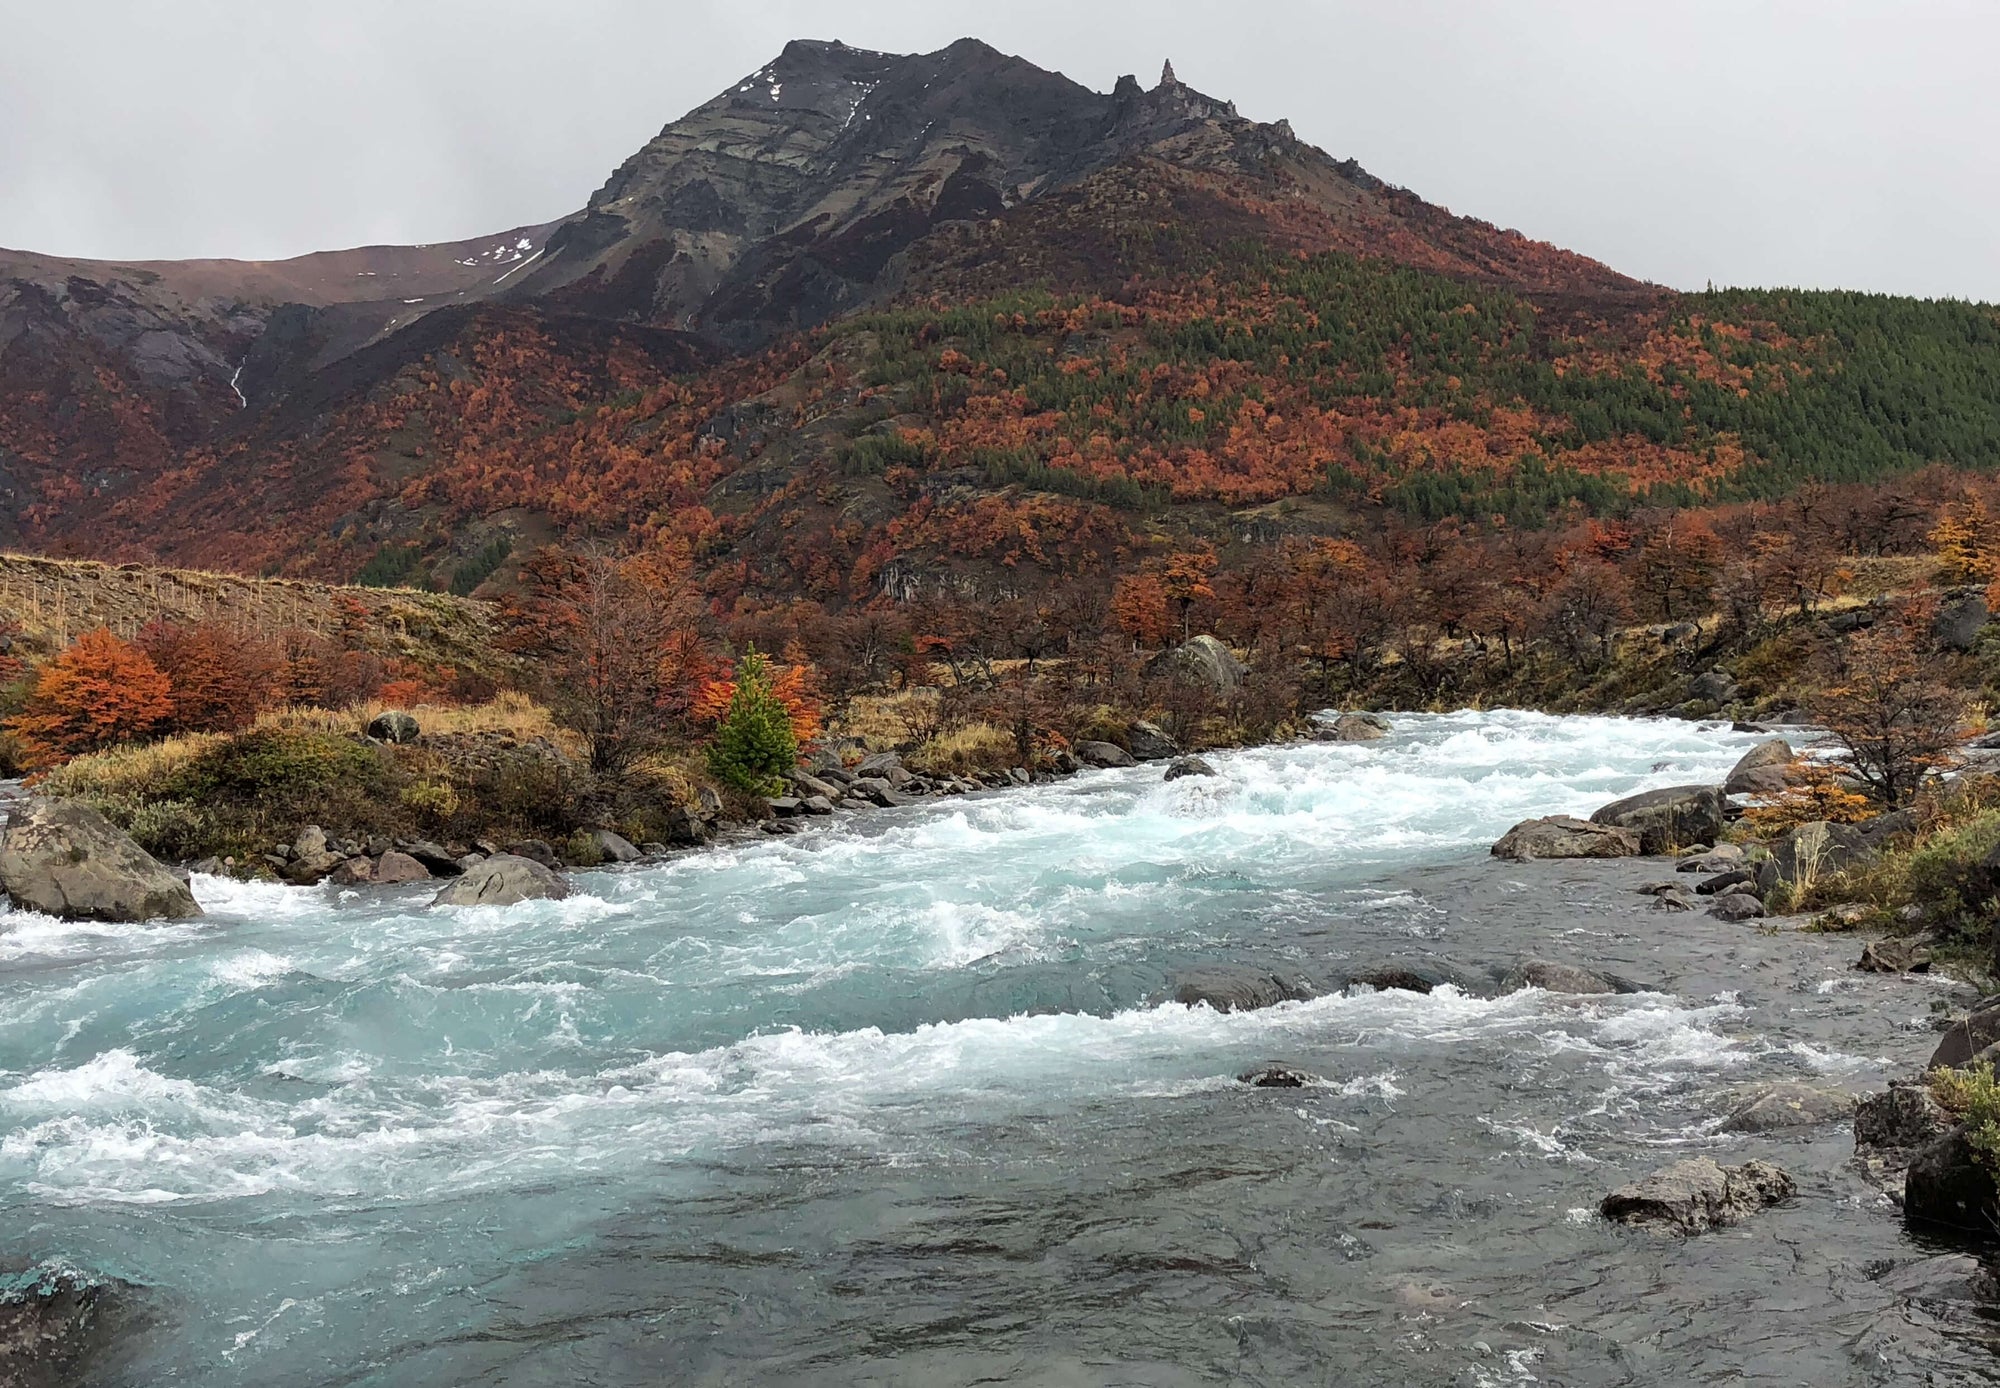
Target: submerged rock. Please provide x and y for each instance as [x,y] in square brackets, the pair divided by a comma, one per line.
[53,1321]
[1788,1105]
[1276,1077]
[1560,836]
[1692,1196]
[1552,977]
[1667,819]
[503,880]
[1230,988]
[67,860]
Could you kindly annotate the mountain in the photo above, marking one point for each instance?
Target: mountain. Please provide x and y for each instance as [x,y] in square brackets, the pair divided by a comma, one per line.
[864,321]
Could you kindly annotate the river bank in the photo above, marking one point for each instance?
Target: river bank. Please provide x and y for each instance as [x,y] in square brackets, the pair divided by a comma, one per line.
[896,1099]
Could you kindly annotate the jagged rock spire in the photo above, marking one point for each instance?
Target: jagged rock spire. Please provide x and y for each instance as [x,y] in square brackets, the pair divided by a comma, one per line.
[1167,78]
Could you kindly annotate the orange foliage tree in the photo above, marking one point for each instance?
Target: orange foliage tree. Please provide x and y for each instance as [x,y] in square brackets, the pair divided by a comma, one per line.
[221,676]
[99,692]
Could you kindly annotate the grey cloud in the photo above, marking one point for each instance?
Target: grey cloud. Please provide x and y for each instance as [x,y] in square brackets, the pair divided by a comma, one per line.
[1756,141]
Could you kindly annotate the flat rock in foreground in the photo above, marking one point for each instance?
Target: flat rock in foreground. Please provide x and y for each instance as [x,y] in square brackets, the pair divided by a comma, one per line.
[503,880]
[1233,988]
[69,861]
[1560,836]
[1695,1195]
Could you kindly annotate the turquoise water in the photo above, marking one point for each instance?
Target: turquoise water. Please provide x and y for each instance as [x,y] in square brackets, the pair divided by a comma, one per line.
[639,1135]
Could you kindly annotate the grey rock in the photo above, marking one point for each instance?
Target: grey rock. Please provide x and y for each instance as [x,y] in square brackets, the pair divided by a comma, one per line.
[683,827]
[1560,836]
[1724,857]
[1737,906]
[67,860]
[1553,977]
[1205,661]
[1949,1185]
[816,805]
[503,881]
[1968,1036]
[1276,1077]
[1673,901]
[1188,766]
[434,856]
[535,850]
[1958,624]
[615,847]
[310,843]
[1818,850]
[308,869]
[1103,754]
[809,785]
[1415,976]
[1695,1195]
[209,867]
[1745,777]
[1713,687]
[353,872]
[1233,988]
[708,802]
[1724,882]
[1353,727]
[878,764]
[394,727]
[1894,955]
[394,868]
[1667,819]
[1774,1107]
[1898,1122]
[785,806]
[1147,742]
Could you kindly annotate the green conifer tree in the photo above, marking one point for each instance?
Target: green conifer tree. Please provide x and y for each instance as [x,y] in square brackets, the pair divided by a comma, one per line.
[753,745]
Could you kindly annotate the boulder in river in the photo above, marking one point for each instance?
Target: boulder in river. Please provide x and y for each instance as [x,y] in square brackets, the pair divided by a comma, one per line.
[616,848]
[1667,819]
[1560,836]
[1950,1184]
[1968,1036]
[1737,905]
[1724,882]
[53,1321]
[1236,988]
[1276,1077]
[1148,742]
[1894,955]
[1691,1196]
[503,880]
[1788,1104]
[1893,1126]
[1103,754]
[394,868]
[1416,976]
[67,860]
[1763,770]
[1552,977]
[1355,727]
[1724,857]
[1188,766]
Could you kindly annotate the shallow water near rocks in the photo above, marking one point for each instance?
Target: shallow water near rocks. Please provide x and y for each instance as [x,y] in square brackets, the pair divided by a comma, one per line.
[893,1102]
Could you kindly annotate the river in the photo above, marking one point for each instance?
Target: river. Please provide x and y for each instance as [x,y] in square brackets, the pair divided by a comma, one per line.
[894,1101]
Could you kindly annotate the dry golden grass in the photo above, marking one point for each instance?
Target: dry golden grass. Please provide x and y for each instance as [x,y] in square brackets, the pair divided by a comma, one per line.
[510,712]
[887,721]
[127,770]
[976,747]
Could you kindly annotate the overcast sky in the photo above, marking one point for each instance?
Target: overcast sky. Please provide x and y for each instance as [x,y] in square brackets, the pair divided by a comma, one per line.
[1814,142]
